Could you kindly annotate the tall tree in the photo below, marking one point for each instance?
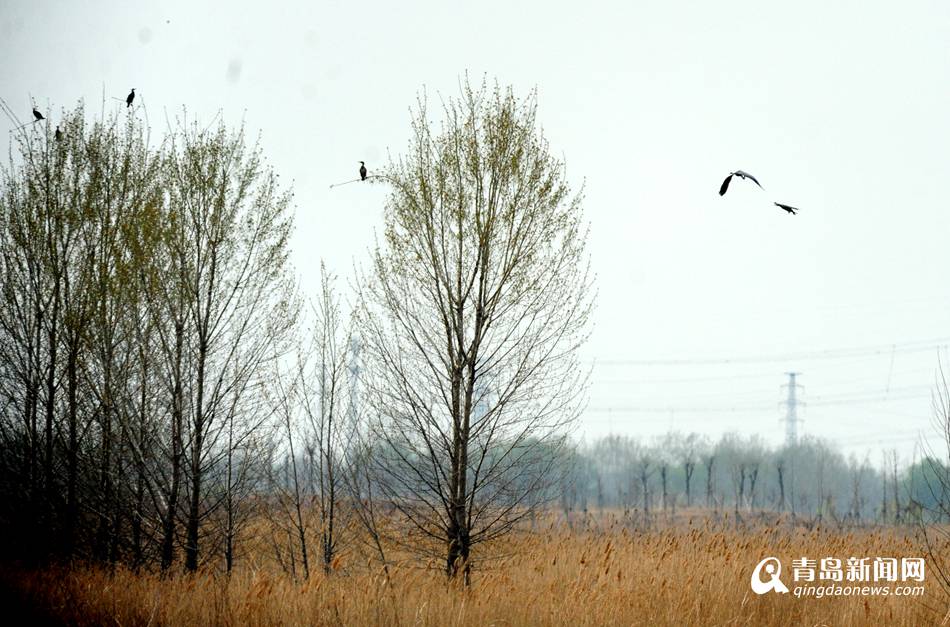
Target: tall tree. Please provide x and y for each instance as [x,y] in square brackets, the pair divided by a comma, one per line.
[471,321]
[70,203]
[227,245]
[315,405]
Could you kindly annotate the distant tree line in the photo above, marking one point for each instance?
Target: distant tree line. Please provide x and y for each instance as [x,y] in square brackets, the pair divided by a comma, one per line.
[811,480]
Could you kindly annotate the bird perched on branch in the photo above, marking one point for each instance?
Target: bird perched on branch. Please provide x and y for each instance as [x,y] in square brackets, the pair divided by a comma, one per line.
[58,134]
[788,208]
[741,175]
[37,114]
[130,98]
[362,170]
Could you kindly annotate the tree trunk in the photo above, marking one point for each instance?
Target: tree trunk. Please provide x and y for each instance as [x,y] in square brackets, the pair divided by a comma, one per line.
[459,544]
[49,489]
[781,487]
[194,505]
[753,475]
[689,468]
[194,508]
[178,410]
[107,513]
[72,452]
[663,480]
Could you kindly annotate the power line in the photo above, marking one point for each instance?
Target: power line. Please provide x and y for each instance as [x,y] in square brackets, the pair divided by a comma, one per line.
[730,398]
[666,409]
[839,353]
[700,409]
[871,400]
[825,382]
[758,375]
[906,391]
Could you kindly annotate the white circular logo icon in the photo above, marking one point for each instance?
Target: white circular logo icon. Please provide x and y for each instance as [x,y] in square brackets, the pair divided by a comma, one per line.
[773,569]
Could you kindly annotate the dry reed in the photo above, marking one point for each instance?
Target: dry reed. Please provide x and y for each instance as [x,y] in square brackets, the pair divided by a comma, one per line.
[606,574]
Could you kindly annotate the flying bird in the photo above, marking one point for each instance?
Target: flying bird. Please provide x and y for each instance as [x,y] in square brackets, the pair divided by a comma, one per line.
[788,208]
[741,175]
[130,98]
[362,170]
[59,133]
[37,115]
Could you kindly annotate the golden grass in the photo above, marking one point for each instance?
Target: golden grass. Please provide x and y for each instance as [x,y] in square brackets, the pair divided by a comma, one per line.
[684,575]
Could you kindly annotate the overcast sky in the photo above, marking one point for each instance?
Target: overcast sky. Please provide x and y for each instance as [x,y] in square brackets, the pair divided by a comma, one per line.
[839,108]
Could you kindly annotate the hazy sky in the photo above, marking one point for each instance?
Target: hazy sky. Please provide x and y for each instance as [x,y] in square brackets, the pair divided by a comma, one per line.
[839,108]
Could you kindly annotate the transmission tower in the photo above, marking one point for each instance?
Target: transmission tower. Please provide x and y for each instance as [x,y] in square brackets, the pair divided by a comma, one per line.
[791,409]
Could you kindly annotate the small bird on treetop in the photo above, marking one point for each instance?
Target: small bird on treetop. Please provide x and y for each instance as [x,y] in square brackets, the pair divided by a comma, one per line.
[37,114]
[362,170]
[59,133]
[130,98]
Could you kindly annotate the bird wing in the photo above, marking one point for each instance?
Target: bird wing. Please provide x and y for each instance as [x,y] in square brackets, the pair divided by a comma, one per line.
[754,180]
[746,175]
[725,185]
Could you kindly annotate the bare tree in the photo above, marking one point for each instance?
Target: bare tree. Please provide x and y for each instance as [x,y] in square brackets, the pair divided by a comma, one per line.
[858,470]
[754,455]
[709,463]
[643,463]
[884,488]
[781,470]
[228,228]
[316,402]
[896,487]
[72,209]
[471,320]
[32,272]
[687,450]
[932,529]
[289,513]
[142,290]
[333,421]
[123,185]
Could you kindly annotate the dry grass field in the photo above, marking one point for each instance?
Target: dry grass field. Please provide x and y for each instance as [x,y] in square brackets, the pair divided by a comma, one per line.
[605,574]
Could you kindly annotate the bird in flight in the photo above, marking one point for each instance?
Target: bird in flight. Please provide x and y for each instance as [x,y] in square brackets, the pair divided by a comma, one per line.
[362,170]
[130,98]
[741,175]
[37,114]
[788,208]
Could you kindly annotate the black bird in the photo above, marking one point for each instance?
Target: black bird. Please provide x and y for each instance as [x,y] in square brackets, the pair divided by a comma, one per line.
[741,175]
[788,208]
[362,170]
[130,98]
[59,133]
[37,115]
